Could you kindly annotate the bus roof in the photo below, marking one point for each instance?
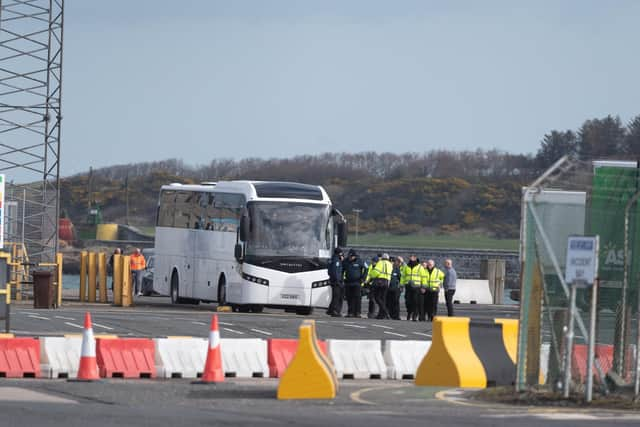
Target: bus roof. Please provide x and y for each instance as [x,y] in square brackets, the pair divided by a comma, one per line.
[258,190]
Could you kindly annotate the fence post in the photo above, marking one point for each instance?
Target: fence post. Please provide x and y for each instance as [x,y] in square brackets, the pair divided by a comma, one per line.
[59,261]
[92,277]
[117,279]
[83,276]
[102,274]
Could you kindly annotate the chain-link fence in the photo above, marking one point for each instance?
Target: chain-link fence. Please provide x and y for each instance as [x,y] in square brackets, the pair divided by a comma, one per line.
[583,198]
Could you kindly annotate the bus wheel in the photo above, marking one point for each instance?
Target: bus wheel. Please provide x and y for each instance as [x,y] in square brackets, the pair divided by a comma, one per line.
[175,299]
[257,308]
[222,291]
[244,308]
[304,311]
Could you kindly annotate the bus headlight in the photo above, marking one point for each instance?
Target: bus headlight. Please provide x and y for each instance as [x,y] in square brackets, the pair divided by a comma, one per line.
[320,284]
[255,279]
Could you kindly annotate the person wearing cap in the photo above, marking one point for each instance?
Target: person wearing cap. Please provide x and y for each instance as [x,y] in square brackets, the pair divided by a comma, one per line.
[412,274]
[432,280]
[355,272]
[393,294]
[381,274]
[337,283]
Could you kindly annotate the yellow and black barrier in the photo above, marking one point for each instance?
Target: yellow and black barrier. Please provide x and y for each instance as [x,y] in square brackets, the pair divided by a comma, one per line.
[310,374]
[467,353]
[5,303]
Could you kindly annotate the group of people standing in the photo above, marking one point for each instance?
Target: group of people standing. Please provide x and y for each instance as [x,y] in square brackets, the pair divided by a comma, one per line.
[138,265]
[383,280]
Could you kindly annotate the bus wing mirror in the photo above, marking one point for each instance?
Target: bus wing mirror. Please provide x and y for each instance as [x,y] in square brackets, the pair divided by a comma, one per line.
[238,252]
[342,234]
[244,227]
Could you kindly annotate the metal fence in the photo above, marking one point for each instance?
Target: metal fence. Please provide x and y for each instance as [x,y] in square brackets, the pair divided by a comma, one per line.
[580,198]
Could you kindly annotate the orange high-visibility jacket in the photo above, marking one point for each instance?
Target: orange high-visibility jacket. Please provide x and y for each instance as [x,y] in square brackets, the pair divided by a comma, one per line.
[138,262]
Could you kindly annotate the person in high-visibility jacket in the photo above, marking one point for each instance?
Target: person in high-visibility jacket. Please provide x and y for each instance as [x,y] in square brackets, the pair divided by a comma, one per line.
[411,279]
[380,275]
[432,282]
[138,265]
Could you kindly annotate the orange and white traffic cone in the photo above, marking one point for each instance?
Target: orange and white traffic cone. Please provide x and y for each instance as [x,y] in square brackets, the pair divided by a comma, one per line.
[88,369]
[213,372]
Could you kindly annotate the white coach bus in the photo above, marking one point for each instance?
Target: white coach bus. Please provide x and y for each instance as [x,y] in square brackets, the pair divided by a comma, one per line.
[249,244]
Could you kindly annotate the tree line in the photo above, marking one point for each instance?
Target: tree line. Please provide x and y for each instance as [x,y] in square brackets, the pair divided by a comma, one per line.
[438,190]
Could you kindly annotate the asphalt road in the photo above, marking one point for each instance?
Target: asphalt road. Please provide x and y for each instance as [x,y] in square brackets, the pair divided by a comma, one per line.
[253,402]
[156,317]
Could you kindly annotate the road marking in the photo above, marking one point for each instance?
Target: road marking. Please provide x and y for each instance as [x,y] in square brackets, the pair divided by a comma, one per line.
[234,331]
[356,396]
[33,316]
[354,326]
[226,324]
[102,326]
[421,334]
[393,333]
[74,325]
[64,318]
[199,323]
[261,332]
[381,326]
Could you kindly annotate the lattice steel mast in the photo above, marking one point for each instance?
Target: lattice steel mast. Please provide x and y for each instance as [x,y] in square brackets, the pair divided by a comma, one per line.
[31,35]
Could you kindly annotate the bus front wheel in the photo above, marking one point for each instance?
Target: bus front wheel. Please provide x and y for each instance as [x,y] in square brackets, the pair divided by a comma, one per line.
[175,286]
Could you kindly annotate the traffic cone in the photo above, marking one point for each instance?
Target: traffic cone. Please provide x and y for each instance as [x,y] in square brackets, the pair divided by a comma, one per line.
[213,372]
[88,370]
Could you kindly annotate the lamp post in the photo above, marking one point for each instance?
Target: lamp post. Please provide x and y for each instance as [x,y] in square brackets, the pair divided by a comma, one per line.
[357,212]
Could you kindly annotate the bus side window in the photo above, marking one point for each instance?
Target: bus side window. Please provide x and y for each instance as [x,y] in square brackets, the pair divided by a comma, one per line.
[167,208]
[209,212]
[184,208]
[227,211]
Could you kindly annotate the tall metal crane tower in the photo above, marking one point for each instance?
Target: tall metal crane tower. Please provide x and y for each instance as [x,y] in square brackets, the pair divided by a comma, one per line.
[30,118]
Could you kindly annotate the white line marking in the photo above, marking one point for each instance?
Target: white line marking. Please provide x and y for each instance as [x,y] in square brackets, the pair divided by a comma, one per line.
[354,326]
[261,332]
[381,326]
[102,326]
[234,331]
[393,333]
[226,324]
[421,334]
[38,317]
[199,323]
[64,318]
[74,325]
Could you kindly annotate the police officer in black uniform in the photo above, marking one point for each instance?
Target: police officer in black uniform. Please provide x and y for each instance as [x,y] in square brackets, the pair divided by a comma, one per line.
[337,283]
[355,272]
[393,293]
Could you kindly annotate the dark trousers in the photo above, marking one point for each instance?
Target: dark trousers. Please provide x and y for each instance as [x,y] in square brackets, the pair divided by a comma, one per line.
[337,295]
[431,303]
[421,297]
[354,298]
[380,288]
[448,297]
[411,301]
[393,302]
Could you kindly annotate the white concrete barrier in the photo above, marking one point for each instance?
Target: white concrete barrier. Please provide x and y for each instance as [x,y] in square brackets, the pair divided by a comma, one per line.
[470,292]
[244,357]
[357,359]
[60,356]
[404,357]
[180,357]
[545,349]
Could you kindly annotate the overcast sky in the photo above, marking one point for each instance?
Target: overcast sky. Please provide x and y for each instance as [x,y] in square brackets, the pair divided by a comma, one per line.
[155,79]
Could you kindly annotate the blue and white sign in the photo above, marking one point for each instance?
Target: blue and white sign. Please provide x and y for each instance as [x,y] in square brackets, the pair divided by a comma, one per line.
[582,260]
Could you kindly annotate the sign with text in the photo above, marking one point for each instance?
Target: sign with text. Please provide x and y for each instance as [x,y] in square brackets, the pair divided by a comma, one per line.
[582,260]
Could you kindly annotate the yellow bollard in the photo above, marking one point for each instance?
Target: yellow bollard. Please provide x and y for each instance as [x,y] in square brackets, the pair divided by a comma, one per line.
[59,260]
[127,297]
[102,275]
[83,276]
[92,277]
[117,279]
[17,277]
[451,360]
[309,375]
